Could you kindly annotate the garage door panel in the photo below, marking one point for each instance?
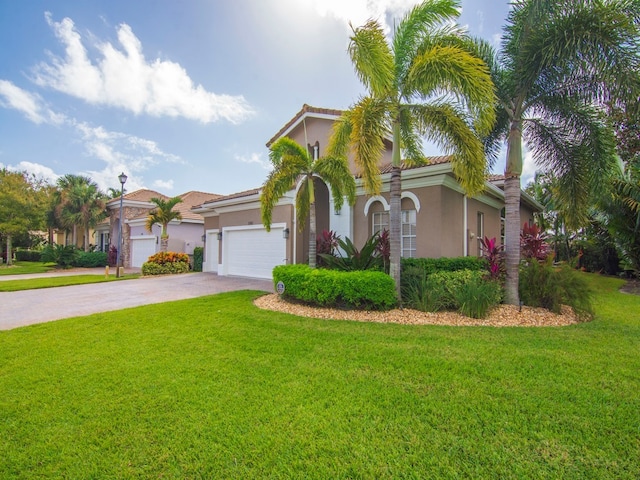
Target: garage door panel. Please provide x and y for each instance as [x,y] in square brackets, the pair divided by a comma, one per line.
[141,250]
[254,252]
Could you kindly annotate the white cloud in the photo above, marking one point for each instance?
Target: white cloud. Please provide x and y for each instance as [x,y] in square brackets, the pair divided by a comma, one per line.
[124,78]
[529,168]
[30,104]
[39,171]
[254,158]
[163,184]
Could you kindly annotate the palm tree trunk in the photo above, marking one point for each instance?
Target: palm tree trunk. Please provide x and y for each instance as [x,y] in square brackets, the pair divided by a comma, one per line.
[513,170]
[312,235]
[395,213]
[86,238]
[164,243]
[74,237]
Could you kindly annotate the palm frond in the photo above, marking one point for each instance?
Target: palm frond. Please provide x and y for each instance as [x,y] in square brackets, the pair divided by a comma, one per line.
[303,202]
[372,58]
[335,173]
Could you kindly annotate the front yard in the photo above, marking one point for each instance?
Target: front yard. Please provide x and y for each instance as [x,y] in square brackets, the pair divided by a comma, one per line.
[215,388]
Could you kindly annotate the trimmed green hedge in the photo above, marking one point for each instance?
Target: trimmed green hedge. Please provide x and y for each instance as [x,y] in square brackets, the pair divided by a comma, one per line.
[445,264]
[151,268]
[368,289]
[91,259]
[28,255]
[198,257]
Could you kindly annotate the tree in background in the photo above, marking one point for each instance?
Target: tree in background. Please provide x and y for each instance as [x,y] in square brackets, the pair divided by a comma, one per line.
[423,83]
[20,206]
[560,63]
[163,214]
[292,162]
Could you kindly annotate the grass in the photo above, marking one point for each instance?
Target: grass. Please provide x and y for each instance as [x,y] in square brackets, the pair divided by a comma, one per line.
[20,268]
[215,388]
[63,281]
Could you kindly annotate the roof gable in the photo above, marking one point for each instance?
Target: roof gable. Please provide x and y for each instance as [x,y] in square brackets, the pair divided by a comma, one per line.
[307,111]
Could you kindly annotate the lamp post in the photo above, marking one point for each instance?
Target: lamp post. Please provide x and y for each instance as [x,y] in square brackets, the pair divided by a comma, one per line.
[123,179]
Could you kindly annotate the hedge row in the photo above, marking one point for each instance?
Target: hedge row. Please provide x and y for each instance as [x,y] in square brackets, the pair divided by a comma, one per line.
[28,255]
[357,289]
[151,268]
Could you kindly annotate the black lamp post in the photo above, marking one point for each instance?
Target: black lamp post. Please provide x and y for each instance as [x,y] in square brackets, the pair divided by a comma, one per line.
[123,179]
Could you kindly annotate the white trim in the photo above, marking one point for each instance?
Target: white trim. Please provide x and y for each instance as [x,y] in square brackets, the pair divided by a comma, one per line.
[372,200]
[413,197]
[303,117]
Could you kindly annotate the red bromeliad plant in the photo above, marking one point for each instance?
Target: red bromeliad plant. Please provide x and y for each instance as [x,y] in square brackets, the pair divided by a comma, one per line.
[326,243]
[494,254]
[533,243]
[383,248]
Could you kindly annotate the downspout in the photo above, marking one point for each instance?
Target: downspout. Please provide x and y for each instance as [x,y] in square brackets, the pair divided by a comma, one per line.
[465,227]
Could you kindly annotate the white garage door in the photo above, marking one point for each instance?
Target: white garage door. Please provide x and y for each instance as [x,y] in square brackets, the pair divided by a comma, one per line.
[252,251]
[141,249]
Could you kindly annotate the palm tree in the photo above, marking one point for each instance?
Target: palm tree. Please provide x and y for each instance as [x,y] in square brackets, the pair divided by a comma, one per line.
[559,61]
[80,203]
[290,162]
[163,214]
[426,83]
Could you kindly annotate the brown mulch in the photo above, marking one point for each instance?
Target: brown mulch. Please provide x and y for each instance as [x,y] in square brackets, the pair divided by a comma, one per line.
[501,316]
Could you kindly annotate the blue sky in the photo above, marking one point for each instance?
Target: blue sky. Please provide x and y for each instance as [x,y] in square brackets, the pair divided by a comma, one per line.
[180,95]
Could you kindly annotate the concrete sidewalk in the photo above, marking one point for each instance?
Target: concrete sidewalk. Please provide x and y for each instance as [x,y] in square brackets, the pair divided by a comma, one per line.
[66,273]
[28,307]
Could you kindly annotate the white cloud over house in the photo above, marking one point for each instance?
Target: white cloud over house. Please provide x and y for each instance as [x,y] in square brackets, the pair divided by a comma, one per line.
[124,78]
[30,104]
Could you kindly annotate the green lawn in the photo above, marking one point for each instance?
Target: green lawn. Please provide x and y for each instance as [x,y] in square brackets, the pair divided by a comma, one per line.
[215,388]
[63,281]
[20,268]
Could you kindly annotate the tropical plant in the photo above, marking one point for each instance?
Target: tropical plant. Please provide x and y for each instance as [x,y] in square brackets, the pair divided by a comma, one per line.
[326,243]
[79,203]
[533,243]
[494,255]
[477,297]
[425,82]
[64,256]
[347,257]
[163,214]
[291,162]
[559,63]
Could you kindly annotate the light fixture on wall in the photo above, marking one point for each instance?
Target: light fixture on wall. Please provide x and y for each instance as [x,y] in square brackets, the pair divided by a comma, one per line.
[285,233]
[220,235]
[123,179]
[203,238]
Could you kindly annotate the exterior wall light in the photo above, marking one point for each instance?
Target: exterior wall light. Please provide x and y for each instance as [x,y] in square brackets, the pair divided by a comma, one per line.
[285,233]
[219,236]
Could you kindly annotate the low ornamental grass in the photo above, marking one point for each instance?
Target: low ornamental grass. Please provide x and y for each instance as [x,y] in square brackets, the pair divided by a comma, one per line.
[215,388]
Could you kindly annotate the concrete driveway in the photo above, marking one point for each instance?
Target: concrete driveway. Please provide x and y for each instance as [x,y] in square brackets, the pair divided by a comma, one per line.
[27,307]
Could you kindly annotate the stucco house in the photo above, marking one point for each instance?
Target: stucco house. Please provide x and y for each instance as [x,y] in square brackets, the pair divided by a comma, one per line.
[138,243]
[438,219]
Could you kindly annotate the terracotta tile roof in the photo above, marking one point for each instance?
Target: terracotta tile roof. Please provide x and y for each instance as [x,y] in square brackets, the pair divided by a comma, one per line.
[306,109]
[441,159]
[191,199]
[245,193]
[144,195]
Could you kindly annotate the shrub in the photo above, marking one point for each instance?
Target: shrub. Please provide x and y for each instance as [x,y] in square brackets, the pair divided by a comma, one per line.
[63,256]
[326,244]
[28,255]
[91,259]
[542,285]
[423,293]
[533,243]
[198,257]
[368,258]
[414,269]
[494,255]
[357,289]
[151,268]
[476,297]
[162,258]
[451,282]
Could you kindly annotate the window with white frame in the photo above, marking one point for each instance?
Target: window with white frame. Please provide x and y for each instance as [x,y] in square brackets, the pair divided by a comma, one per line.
[408,233]
[408,229]
[380,222]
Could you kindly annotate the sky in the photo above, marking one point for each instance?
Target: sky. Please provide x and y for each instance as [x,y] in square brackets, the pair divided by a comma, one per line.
[179,94]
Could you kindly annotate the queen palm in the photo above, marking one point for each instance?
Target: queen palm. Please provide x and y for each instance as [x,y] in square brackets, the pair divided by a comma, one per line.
[291,162]
[163,214]
[424,83]
[559,62]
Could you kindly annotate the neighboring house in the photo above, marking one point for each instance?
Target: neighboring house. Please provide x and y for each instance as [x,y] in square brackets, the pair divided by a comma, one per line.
[438,219]
[137,242]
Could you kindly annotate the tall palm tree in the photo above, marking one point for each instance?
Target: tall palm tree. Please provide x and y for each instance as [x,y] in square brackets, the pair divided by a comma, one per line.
[80,203]
[425,83]
[559,61]
[290,162]
[163,214]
